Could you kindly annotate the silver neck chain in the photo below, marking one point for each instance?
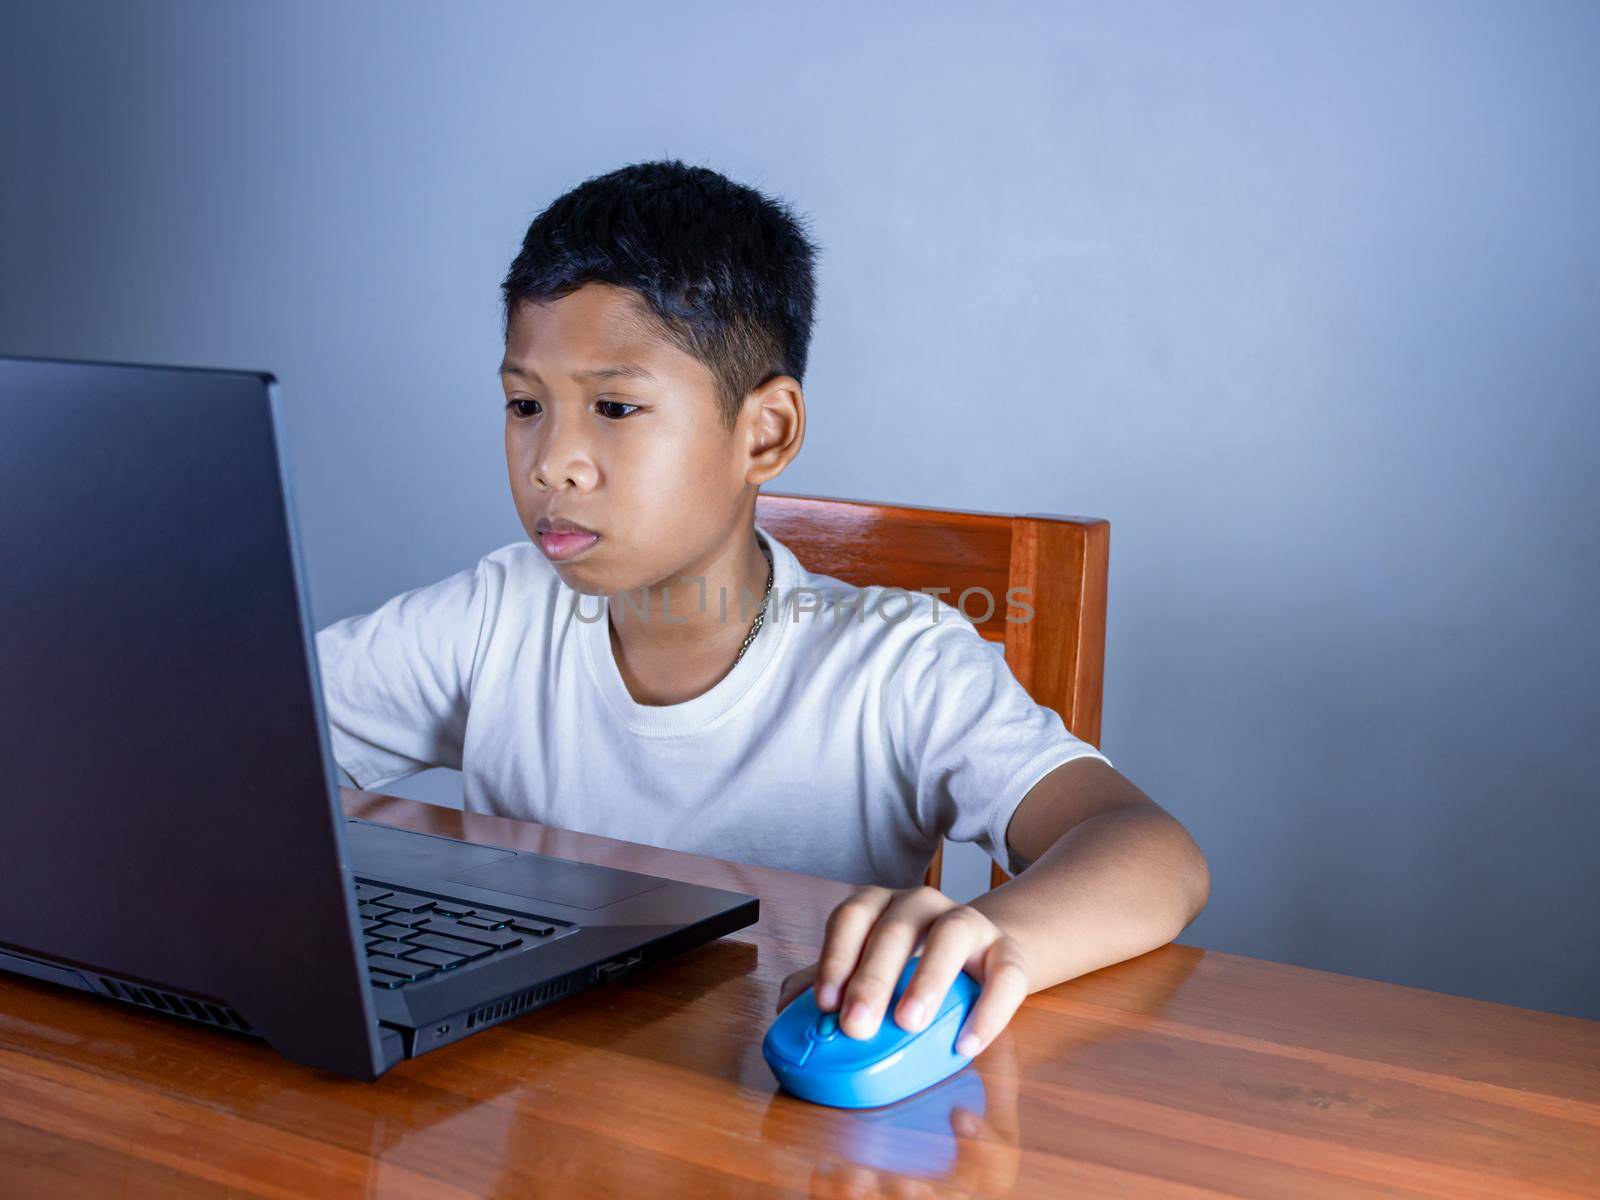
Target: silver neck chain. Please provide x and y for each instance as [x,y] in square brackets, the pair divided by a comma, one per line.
[761,613]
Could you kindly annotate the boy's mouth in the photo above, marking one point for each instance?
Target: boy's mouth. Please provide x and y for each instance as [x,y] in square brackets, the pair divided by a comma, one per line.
[561,539]
[564,546]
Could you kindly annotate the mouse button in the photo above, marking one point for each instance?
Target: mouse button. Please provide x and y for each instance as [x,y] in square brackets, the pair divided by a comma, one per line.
[904,981]
[789,1040]
[845,1053]
[791,1051]
[938,1040]
[826,1028]
[789,1036]
[963,992]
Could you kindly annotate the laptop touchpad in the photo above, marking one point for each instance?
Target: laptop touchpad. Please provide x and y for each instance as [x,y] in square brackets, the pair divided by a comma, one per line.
[577,885]
[402,856]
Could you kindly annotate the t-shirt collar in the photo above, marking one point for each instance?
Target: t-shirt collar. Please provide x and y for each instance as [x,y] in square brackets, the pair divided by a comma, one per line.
[693,715]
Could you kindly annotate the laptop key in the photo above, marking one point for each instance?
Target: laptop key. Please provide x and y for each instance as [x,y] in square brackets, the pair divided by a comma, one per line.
[406,902]
[409,918]
[435,958]
[363,892]
[385,946]
[399,966]
[396,932]
[500,940]
[379,979]
[372,910]
[482,922]
[451,946]
[536,928]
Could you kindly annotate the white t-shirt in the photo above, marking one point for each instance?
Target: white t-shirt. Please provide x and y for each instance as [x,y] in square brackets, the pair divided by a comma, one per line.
[844,743]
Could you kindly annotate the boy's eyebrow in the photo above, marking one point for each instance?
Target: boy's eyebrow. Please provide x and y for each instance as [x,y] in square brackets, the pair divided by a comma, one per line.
[618,371]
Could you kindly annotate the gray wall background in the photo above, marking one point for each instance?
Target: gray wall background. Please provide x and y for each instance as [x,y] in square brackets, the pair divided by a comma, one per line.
[1304,298]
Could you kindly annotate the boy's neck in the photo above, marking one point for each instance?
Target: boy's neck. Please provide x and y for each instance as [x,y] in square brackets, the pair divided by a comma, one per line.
[664,661]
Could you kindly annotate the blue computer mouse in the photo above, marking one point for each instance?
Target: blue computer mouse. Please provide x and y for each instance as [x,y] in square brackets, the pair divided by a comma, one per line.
[816,1060]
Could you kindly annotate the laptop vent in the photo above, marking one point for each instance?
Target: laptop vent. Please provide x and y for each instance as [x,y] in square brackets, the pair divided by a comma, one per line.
[521,1002]
[181,1006]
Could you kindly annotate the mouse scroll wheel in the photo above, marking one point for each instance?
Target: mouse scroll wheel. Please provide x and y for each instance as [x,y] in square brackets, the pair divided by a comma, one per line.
[826,1028]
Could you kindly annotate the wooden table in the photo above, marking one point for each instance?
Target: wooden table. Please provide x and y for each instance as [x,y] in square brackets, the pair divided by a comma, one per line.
[1182,1073]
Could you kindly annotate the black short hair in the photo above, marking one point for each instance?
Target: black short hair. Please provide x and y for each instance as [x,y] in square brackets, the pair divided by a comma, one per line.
[727,272]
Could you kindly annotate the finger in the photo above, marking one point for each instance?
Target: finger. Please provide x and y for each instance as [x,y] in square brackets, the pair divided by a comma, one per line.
[1005,986]
[860,1183]
[952,939]
[968,1124]
[883,957]
[841,945]
[795,983]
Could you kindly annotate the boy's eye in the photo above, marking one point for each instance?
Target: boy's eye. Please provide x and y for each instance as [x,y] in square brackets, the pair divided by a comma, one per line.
[523,409]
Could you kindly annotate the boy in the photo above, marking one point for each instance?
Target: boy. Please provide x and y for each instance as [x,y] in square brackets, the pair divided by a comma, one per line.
[654,666]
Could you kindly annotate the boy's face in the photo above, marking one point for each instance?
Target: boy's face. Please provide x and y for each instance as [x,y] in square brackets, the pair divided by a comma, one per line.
[644,462]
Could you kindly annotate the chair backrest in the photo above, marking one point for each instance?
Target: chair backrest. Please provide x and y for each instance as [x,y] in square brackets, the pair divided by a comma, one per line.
[1057,654]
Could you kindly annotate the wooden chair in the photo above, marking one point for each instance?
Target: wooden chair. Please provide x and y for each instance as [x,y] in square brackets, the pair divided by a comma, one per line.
[1058,655]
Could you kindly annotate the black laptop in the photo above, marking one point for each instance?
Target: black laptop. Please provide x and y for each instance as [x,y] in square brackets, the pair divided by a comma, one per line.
[172,834]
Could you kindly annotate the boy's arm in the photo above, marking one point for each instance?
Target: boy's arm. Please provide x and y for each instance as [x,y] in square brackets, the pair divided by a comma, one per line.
[1112,875]
[396,682]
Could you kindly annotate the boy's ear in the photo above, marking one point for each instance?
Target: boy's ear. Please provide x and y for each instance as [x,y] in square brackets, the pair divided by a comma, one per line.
[775,418]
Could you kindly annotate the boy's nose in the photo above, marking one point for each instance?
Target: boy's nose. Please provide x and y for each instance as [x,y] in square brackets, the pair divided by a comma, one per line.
[574,474]
[562,461]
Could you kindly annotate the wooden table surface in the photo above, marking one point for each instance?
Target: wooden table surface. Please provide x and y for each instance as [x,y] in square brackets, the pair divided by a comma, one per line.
[1182,1073]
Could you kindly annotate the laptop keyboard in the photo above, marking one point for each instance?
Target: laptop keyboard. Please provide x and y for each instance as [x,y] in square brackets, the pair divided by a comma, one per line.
[410,937]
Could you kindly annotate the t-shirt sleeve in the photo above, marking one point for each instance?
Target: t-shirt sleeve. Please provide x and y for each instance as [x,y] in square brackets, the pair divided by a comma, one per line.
[396,682]
[970,737]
